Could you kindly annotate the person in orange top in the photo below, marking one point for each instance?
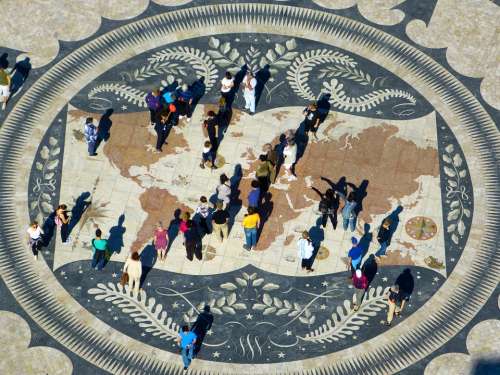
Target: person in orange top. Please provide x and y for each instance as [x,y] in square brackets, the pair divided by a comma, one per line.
[251,223]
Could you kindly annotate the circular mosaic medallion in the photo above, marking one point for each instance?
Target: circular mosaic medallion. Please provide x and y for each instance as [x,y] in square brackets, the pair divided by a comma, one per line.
[323,253]
[421,228]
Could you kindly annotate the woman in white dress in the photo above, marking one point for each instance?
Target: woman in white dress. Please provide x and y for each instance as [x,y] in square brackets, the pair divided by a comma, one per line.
[133,267]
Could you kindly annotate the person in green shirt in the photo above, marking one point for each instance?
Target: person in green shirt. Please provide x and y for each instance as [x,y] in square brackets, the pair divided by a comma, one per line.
[4,87]
[99,247]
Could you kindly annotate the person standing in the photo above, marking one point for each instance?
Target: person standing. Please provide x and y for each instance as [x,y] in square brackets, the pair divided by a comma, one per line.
[160,241]
[208,155]
[185,101]
[192,241]
[61,220]
[383,237]
[249,83]
[224,190]
[263,173]
[328,206]
[154,105]
[251,223]
[35,240]
[290,156]
[184,216]
[312,119]
[272,157]
[219,221]
[393,301]
[90,131]
[227,84]
[133,267]
[201,326]
[186,341]
[349,213]
[203,211]
[354,255]
[211,128]
[99,245]
[162,128]
[305,251]
[4,87]
[254,195]
[360,283]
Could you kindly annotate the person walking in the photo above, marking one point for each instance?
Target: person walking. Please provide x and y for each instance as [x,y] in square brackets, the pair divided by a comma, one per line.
[184,102]
[224,190]
[360,283]
[133,267]
[61,220]
[305,251]
[153,101]
[192,241]
[201,326]
[99,247]
[35,239]
[355,256]
[4,87]
[160,241]
[203,211]
[90,131]
[254,195]
[312,119]
[273,158]
[349,213]
[290,156]
[251,223]
[263,173]
[186,341]
[383,237]
[393,300]
[328,206]
[227,84]
[249,83]
[219,221]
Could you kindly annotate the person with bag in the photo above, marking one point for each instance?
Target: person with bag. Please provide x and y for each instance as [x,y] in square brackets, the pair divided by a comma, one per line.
[305,251]
[35,240]
[133,267]
[99,246]
[61,220]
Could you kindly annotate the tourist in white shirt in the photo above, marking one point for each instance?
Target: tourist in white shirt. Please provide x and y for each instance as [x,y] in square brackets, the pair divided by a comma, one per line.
[35,240]
[305,250]
[227,84]
[290,156]
[133,267]
[224,190]
[249,83]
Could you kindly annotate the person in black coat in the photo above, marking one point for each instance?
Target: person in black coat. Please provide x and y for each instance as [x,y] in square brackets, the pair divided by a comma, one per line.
[328,206]
[384,237]
[192,240]
[201,326]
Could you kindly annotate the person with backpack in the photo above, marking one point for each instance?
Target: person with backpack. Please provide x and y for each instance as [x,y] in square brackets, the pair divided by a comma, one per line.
[328,206]
[201,326]
[99,247]
[305,250]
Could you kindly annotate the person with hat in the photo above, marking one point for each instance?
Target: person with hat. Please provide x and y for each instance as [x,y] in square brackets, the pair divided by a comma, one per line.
[360,283]
[355,255]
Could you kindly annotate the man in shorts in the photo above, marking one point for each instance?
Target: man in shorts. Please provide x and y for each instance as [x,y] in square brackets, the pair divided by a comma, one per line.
[4,87]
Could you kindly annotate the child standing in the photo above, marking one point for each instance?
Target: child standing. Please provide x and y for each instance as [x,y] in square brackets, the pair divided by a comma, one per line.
[208,155]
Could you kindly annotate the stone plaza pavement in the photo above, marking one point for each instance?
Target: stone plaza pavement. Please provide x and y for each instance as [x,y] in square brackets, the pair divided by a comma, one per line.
[408,100]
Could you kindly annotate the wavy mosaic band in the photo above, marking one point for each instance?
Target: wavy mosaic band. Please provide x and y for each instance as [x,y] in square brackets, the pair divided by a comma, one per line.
[464,293]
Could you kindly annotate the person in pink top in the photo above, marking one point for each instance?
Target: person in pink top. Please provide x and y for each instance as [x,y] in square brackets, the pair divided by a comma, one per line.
[360,283]
[160,241]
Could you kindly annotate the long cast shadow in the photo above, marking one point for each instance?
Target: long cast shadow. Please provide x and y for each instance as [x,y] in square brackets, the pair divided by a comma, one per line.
[265,212]
[81,205]
[104,127]
[235,203]
[370,268]
[262,76]
[115,239]
[19,74]
[406,282]
[317,235]
[394,217]
[360,194]
[148,259]
[173,228]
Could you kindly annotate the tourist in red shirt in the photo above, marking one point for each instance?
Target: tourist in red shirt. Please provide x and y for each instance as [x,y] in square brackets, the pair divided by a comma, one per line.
[360,283]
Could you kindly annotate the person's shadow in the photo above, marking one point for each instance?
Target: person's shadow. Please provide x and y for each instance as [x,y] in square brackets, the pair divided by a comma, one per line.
[81,205]
[394,218]
[360,194]
[265,211]
[198,89]
[115,239]
[302,140]
[148,259]
[324,106]
[406,282]
[201,326]
[238,78]
[279,151]
[370,268]
[48,227]
[262,76]
[340,186]
[366,239]
[235,203]
[104,128]
[317,235]
[20,74]
[4,60]
[173,228]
